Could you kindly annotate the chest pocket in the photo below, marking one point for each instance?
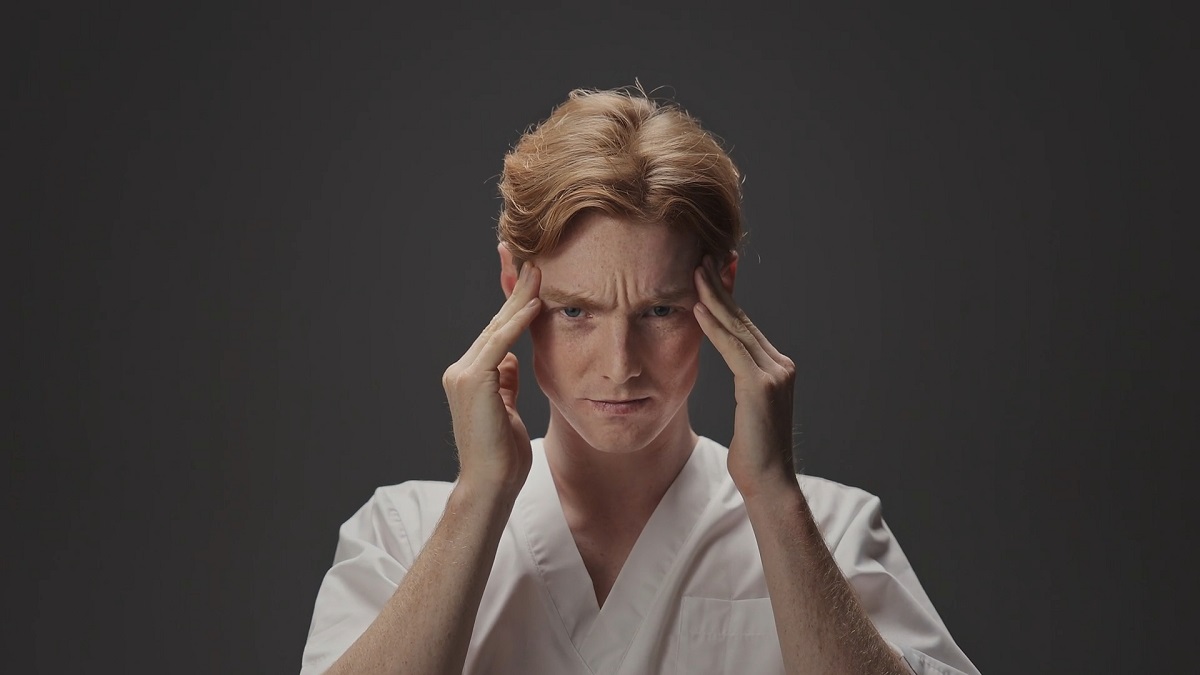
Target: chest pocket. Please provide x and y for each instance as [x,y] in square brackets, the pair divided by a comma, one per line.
[727,636]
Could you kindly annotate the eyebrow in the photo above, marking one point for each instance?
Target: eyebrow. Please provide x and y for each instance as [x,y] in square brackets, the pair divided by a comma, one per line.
[586,301]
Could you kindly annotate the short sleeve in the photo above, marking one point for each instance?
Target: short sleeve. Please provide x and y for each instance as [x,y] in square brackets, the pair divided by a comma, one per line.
[888,589]
[374,552]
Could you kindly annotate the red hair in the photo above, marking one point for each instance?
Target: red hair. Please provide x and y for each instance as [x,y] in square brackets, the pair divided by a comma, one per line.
[621,153]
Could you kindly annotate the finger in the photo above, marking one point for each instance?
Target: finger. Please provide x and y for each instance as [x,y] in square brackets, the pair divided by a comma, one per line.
[733,321]
[528,285]
[768,349]
[720,290]
[493,351]
[732,349]
[509,380]
[512,305]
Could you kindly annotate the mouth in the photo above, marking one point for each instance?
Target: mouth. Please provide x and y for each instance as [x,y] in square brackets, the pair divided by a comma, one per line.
[619,406]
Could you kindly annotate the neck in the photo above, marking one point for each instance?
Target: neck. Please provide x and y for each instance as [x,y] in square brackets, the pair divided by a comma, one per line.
[608,485]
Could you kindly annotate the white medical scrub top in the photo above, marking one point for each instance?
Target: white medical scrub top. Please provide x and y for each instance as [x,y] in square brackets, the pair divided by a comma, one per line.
[691,597]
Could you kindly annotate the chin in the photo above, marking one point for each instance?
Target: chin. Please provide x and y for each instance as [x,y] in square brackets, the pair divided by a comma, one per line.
[614,443]
[616,436]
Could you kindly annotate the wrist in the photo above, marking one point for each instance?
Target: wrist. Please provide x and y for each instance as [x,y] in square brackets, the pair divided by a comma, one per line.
[772,488]
[491,496]
[493,480]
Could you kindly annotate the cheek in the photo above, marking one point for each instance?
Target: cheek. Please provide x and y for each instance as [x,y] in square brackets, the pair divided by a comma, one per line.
[553,349]
[678,349]
[542,346]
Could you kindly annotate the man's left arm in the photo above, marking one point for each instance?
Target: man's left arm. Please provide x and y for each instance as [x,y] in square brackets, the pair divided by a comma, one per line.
[822,625]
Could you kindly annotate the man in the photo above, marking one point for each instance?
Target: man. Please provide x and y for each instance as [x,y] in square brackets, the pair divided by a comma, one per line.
[622,542]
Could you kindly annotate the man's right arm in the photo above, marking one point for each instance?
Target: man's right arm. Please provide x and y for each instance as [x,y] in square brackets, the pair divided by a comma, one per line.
[425,626]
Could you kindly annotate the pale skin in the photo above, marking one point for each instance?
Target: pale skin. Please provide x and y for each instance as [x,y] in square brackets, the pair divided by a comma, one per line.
[611,477]
[822,628]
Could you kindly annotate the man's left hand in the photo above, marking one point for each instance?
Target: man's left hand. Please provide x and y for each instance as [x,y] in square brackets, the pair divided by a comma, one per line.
[760,454]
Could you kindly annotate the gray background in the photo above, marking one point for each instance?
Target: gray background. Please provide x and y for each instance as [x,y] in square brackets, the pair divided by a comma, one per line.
[242,245]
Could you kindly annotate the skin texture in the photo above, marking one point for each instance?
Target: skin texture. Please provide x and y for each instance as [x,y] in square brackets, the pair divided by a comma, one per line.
[425,627]
[616,325]
[614,339]
[618,347]
[822,627]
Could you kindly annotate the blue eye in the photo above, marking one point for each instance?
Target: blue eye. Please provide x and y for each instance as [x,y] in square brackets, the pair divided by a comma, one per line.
[571,312]
[661,311]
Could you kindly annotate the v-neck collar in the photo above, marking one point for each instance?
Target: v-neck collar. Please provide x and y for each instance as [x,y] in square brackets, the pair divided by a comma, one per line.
[602,636]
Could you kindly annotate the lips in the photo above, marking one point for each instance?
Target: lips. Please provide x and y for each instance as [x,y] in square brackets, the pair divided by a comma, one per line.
[624,406]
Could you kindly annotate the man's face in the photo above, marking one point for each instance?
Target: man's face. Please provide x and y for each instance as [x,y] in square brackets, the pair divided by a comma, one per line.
[616,346]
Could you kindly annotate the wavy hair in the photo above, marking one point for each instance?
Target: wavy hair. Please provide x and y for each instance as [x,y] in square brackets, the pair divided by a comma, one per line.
[624,154]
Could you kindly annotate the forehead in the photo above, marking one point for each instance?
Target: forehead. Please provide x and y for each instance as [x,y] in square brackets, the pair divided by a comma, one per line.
[598,248]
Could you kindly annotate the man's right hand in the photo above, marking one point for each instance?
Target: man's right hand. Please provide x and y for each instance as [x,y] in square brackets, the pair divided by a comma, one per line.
[426,626]
[493,445]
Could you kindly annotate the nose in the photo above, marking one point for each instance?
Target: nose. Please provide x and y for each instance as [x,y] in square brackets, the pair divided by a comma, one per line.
[619,357]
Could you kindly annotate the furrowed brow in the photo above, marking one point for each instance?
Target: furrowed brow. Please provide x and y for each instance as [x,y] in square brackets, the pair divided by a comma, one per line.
[658,297]
[670,295]
[568,299]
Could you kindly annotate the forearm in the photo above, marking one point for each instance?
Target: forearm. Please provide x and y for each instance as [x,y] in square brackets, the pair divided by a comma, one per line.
[822,627]
[425,627]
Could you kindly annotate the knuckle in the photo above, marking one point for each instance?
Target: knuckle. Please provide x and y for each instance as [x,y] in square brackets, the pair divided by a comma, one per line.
[770,380]
[742,325]
[497,338]
[455,376]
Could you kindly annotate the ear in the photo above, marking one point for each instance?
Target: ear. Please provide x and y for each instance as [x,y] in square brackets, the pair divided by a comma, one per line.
[508,270]
[729,271]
